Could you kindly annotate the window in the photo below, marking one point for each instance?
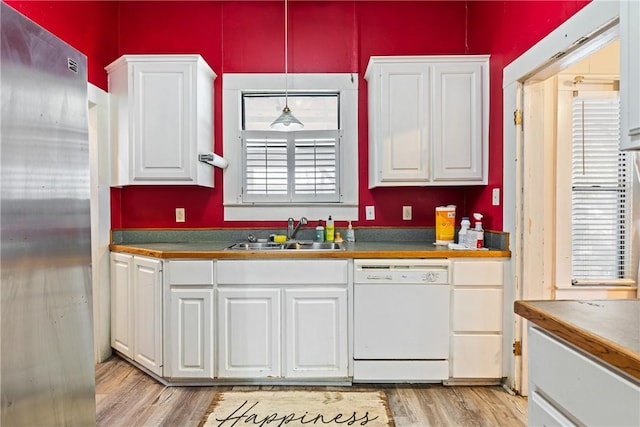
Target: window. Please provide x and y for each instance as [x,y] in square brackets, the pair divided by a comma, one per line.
[274,175]
[601,193]
[291,167]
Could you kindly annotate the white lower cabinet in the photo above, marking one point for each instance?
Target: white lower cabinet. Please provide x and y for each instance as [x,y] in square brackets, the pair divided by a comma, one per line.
[189,319]
[316,331]
[136,314]
[282,319]
[249,333]
[191,333]
[477,319]
[278,319]
[569,387]
[147,307]
[122,303]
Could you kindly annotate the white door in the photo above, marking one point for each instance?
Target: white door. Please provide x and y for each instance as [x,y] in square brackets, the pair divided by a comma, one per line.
[191,332]
[316,333]
[520,165]
[249,344]
[122,303]
[148,313]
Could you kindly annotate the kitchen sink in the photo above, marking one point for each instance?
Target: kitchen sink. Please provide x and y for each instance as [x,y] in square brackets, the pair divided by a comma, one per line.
[313,246]
[289,246]
[256,246]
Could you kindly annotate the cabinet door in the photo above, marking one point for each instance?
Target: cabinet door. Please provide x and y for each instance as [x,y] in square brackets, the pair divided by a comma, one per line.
[249,344]
[163,109]
[476,356]
[191,332]
[402,125]
[459,148]
[122,303]
[316,333]
[629,72]
[148,313]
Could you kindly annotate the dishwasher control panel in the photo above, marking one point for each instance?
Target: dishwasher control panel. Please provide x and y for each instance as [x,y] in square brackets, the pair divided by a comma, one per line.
[401,271]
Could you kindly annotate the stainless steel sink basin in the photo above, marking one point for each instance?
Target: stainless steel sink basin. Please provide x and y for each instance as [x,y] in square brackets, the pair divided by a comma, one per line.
[313,246]
[256,246]
[299,246]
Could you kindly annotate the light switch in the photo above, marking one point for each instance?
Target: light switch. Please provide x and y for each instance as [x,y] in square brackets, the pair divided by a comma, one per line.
[180,214]
[370,213]
[406,213]
[495,200]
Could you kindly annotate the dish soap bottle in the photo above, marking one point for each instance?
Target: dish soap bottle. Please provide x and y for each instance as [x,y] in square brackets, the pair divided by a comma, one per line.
[462,234]
[330,230]
[319,232]
[351,235]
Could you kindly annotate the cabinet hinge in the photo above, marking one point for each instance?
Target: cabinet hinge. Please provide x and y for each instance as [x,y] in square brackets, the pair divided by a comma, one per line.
[517,117]
[517,348]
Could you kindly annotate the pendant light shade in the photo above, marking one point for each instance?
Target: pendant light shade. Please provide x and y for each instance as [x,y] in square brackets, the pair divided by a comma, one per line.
[286,121]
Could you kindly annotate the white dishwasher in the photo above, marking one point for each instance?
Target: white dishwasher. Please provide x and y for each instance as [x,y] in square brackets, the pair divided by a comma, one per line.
[401,320]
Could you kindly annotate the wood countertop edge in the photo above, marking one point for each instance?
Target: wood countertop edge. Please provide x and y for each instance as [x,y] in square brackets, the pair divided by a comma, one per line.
[292,254]
[618,356]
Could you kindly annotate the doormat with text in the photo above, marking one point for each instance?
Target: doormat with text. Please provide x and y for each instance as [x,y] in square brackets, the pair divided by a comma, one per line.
[298,408]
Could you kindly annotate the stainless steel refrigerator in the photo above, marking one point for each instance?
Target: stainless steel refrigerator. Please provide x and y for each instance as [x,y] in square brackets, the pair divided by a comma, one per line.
[46,348]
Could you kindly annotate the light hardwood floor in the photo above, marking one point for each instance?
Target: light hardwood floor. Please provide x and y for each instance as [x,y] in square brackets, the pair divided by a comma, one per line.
[126,396]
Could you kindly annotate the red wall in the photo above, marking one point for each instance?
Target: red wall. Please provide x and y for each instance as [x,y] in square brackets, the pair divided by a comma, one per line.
[89,26]
[507,29]
[325,36]
[330,36]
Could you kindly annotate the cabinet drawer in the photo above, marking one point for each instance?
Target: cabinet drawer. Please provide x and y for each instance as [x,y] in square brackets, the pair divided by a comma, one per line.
[282,272]
[587,390]
[542,413]
[477,309]
[190,272]
[478,273]
[476,356]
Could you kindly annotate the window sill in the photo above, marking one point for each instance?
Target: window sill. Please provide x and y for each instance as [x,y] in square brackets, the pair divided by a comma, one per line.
[315,211]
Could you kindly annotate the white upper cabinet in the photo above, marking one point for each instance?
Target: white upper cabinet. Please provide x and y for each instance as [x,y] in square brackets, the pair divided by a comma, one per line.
[428,120]
[162,118]
[630,75]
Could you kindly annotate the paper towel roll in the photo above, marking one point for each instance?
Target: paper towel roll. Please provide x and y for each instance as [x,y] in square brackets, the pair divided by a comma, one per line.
[214,160]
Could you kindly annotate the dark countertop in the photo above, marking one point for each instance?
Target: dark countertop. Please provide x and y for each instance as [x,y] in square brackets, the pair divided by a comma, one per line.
[217,249]
[606,329]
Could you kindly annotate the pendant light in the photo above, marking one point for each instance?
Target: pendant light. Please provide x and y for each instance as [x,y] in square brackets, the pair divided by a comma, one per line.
[287,121]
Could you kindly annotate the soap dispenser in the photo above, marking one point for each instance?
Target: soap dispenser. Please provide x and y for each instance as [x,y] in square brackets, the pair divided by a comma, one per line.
[351,236]
[319,232]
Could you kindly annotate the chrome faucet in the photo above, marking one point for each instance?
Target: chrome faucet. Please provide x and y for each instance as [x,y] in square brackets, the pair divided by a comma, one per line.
[291,230]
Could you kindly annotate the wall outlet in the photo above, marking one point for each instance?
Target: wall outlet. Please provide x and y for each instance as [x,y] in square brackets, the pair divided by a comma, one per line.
[180,214]
[406,213]
[495,197]
[370,213]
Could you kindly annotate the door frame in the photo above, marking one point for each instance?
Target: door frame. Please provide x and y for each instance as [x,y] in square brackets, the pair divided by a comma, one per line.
[100,207]
[562,47]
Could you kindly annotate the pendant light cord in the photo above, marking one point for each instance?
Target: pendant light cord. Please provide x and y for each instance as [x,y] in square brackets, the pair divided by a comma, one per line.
[286,53]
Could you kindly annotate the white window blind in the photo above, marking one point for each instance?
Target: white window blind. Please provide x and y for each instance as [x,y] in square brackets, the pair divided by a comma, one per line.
[315,165]
[601,194]
[299,167]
